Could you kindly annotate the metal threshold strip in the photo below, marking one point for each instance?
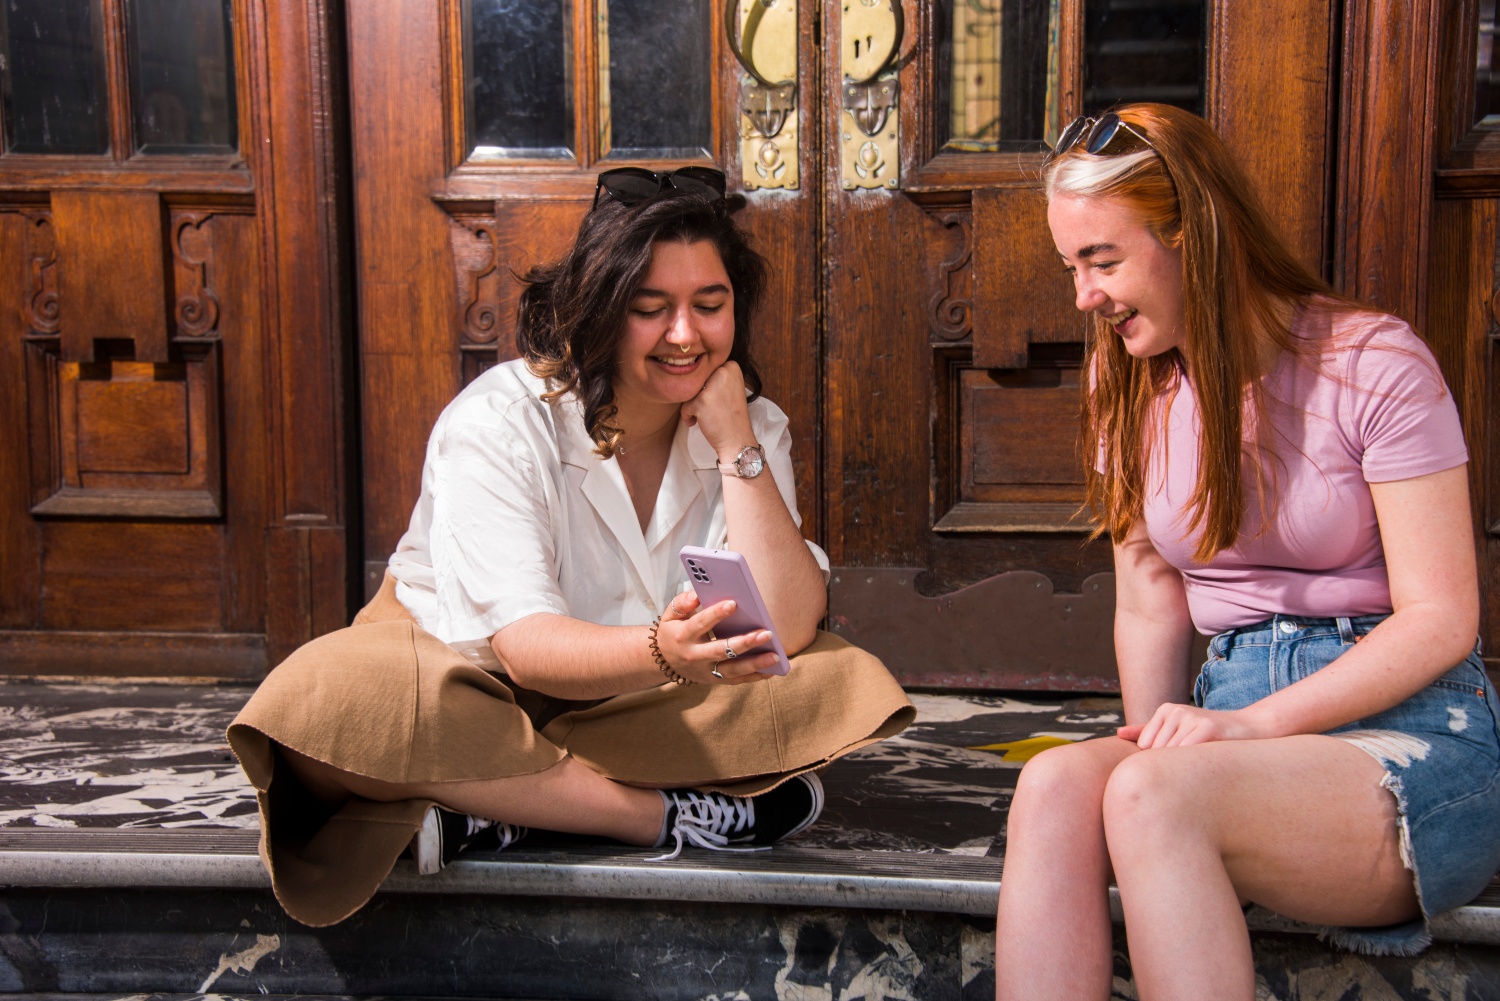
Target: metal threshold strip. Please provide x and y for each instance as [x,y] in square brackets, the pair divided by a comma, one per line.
[787,876]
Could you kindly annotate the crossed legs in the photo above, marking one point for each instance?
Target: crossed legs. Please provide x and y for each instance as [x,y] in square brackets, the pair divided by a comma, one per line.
[566,797]
[1300,825]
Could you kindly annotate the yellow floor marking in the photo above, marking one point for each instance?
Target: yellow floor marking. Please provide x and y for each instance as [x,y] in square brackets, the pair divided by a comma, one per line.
[1024,750]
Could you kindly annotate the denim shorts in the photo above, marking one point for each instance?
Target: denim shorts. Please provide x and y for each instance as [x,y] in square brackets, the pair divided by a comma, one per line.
[1440,750]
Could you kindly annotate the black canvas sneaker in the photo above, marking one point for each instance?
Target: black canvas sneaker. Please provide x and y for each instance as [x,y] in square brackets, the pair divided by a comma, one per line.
[444,834]
[738,823]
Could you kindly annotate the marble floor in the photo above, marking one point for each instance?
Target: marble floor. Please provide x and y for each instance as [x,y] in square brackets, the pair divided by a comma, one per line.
[154,756]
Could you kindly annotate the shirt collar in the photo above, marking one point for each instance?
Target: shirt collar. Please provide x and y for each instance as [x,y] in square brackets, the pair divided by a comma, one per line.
[691,471]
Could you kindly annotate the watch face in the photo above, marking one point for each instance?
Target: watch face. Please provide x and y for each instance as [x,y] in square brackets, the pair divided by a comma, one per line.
[750,463]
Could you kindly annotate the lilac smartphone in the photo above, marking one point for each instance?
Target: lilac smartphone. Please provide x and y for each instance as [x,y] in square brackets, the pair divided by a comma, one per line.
[720,575]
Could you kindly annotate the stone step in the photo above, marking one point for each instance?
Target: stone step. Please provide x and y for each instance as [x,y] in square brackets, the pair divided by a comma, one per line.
[182,911]
[128,868]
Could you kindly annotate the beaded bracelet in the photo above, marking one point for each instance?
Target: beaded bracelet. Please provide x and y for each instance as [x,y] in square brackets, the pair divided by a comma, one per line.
[661,662]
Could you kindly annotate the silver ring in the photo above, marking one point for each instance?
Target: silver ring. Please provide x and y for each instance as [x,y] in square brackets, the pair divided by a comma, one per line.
[715,672]
[729,653]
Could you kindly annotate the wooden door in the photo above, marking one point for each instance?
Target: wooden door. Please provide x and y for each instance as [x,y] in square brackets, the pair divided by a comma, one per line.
[1451,227]
[172,495]
[479,127]
[920,333]
[952,348]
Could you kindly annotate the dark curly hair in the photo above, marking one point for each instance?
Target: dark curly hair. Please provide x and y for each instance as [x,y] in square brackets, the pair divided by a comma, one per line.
[572,312]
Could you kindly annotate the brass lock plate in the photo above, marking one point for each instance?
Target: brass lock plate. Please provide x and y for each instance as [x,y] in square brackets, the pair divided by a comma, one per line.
[870,123]
[871,161]
[768,115]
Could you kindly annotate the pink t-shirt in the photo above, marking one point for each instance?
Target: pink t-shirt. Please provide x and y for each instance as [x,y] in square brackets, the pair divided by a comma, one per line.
[1367,405]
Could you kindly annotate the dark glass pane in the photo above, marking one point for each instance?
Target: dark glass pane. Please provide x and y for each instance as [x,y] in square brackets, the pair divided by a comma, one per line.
[516,78]
[659,91]
[1143,50]
[53,76]
[1486,72]
[994,57]
[182,76]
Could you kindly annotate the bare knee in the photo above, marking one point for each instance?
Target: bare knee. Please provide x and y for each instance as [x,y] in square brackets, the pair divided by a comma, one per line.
[1149,796]
[1062,786]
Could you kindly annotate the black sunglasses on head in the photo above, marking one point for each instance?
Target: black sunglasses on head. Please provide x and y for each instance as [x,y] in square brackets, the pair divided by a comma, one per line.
[1096,135]
[633,185]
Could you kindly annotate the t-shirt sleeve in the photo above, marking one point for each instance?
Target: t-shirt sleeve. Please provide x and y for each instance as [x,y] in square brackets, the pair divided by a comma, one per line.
[493,552]
[1402,415]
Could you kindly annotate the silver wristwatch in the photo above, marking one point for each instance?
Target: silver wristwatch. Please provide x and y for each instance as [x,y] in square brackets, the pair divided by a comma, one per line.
[750,463]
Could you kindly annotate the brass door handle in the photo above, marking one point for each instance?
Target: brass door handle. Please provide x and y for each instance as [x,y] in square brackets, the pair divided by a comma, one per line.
[852,23]
[732,32]
[768,104]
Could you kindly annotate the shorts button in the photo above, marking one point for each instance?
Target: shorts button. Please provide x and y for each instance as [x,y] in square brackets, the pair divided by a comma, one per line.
[1288,627]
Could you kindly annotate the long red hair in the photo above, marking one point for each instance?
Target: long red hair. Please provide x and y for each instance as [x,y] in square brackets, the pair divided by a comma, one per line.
[1239,280]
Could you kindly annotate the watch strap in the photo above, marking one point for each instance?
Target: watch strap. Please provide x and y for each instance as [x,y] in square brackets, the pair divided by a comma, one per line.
[732,468]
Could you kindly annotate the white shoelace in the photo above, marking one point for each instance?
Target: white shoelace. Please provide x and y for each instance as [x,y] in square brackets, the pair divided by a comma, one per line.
[507,833]
[708,822]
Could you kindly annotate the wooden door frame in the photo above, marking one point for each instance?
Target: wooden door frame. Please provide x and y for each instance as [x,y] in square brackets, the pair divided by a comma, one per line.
[312,552]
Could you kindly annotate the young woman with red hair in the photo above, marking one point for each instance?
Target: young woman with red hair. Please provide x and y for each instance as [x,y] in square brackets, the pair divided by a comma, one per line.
[1282,469]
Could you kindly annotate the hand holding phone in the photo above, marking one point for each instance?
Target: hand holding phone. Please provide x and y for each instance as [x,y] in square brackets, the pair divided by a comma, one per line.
[721,575]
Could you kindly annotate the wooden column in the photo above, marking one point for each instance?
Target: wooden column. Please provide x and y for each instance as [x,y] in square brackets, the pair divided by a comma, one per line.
[299,164]
[1388,118]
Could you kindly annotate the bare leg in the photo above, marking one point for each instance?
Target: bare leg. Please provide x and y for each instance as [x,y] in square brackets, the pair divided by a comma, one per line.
[1053,938]
[1298,824]
[566,797]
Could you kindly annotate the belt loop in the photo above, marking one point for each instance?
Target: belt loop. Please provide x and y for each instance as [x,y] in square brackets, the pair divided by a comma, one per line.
[1346,631]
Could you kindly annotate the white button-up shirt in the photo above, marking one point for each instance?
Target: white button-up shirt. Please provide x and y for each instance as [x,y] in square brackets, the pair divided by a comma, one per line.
[519,515]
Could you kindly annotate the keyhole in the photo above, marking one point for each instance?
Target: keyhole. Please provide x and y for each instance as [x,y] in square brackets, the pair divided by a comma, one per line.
[856,48]
[869,44]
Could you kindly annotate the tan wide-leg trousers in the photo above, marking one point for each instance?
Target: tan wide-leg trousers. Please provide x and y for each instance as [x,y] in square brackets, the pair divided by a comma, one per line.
[385,699]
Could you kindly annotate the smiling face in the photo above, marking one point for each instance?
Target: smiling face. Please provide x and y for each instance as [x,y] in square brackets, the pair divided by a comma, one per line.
[678,330]
[1121,271]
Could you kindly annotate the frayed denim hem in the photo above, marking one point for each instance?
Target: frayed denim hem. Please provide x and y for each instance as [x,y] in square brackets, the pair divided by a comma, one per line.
[1410,938]
[1391,940]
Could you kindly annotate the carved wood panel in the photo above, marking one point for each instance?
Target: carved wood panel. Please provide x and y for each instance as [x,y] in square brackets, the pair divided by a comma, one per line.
[1022,295]
[494,244]
[133,428]
[174,352]
[39,304]
[111,268]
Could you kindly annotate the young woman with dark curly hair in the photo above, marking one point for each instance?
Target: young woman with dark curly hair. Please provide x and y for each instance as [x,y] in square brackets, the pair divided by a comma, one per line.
[536,657]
